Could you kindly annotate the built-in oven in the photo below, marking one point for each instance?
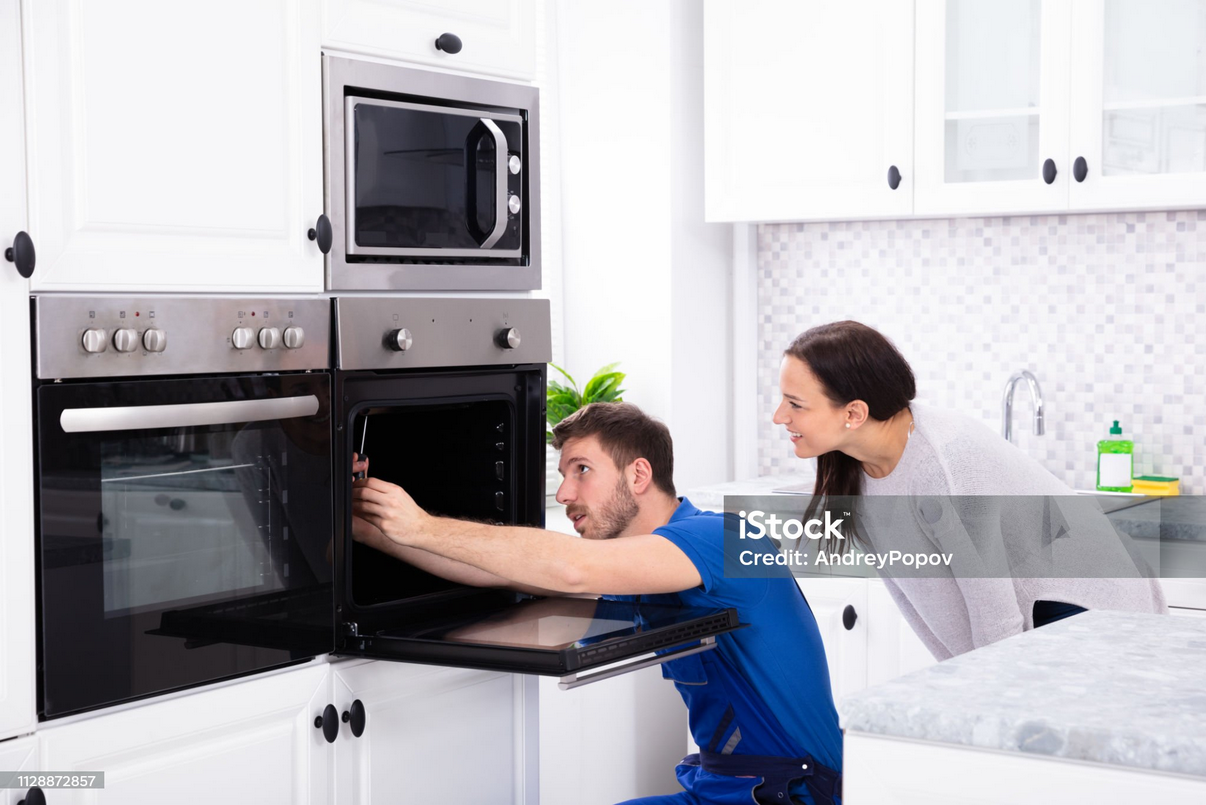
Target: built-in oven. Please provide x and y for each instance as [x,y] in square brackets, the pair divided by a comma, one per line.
[447,399]
[183,492]
[432,179]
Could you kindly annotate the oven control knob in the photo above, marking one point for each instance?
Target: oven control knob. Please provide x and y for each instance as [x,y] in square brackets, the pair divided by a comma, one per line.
[514,164]
[95,340]
[514,204]
[125,340]
[154,340]
[294,337]
[507,338]
[399,340]
[270,338]
[242,338]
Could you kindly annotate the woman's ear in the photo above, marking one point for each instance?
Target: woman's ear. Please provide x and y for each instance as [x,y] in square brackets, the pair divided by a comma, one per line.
[857,413]
[641,475]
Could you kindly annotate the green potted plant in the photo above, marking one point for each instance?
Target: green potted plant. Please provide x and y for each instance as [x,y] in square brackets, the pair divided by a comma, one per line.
[564,400]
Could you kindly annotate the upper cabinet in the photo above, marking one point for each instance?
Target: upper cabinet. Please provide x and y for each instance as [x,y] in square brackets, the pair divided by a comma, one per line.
[497,37]
[992,106]
[1139,104]
[174,146]
[808,109]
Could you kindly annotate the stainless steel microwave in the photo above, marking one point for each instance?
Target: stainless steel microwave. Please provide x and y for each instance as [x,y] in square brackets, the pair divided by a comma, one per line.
[432,180]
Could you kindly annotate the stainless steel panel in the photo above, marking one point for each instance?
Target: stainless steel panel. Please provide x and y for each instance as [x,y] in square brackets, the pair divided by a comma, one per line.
[197,333]
[445,332]
[188,415]
[355,75]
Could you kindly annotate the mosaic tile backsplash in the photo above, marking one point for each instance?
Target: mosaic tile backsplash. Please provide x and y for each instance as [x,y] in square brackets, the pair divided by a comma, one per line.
[1108,311]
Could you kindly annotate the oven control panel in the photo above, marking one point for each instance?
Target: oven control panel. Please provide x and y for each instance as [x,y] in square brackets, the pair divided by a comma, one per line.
[435,332]
[101,336]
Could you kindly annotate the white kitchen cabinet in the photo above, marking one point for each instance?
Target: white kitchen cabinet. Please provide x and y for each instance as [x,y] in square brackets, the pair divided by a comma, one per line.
[498,37]
[174,146]
[992,106]
[16,419]
[435,734]
[18,755]
[840,607]
[1138,101]
[807,107]
[893,648]
[251,742]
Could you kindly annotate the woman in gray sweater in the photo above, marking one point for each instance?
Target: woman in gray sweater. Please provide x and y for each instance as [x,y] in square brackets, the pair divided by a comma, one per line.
[847,400]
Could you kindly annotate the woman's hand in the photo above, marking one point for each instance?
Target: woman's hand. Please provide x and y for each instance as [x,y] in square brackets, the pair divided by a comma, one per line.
[387,508]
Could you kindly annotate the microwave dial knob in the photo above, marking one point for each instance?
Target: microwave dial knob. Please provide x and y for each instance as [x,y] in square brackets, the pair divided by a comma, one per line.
[514,164]
[242,338]
[95,341]
[154,340]
[514,204]
[507,338]
[270,338]
[399,340]
[125,340]
[294,337]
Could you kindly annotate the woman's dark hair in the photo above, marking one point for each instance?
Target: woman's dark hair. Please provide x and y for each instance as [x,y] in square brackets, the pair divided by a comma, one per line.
[852,362]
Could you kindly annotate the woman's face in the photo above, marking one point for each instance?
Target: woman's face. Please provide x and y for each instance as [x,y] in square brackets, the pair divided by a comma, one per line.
[815,425]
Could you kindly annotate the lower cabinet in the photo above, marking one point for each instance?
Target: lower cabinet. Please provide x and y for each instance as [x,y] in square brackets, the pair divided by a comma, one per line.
[19,754]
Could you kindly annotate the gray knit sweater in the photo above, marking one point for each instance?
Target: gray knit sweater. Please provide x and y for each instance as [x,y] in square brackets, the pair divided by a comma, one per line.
[951,455]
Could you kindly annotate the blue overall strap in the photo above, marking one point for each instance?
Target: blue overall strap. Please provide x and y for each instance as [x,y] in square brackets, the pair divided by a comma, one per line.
[778,773]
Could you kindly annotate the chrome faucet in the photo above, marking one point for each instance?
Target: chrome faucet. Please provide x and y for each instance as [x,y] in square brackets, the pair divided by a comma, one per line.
[1036,396]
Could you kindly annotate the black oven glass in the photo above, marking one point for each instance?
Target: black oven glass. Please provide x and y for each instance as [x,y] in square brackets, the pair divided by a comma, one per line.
[177,555]
[426,179]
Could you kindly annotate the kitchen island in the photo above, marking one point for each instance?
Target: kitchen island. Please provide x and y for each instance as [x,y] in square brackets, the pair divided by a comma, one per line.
[1101,707]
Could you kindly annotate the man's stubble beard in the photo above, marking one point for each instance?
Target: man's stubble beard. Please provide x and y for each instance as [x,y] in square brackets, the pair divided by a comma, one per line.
[617,513]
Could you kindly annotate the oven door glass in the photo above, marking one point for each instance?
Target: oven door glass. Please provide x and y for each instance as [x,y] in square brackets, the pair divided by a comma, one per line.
[427,181]
[185,533]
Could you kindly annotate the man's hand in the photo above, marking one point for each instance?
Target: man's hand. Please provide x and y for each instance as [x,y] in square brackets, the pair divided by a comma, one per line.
[389,509]
[359,466]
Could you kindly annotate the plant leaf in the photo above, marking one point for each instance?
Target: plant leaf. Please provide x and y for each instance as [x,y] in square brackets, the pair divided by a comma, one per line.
[573,382]
[599,384]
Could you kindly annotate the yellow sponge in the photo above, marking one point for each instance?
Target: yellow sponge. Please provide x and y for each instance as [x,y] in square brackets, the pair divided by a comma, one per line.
[1156,485]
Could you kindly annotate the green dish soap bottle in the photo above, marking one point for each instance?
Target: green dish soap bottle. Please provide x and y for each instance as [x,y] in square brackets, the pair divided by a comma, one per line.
[1115,462]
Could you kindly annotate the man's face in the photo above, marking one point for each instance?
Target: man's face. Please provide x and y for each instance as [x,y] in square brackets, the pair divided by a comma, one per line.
[594,491]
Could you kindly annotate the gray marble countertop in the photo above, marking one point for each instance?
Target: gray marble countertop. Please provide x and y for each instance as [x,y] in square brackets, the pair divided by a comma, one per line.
[1109,687]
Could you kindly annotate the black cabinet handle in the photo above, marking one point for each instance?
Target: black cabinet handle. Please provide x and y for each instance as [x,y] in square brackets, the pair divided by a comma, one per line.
[33,796]
[1049,171]
[356,716]
[328,722]
[1080,169]
[22,253]
[322,233]
[449,43]
[849,616]
[893,177]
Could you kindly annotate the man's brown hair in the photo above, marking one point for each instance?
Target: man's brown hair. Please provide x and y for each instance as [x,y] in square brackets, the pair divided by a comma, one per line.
[626,433]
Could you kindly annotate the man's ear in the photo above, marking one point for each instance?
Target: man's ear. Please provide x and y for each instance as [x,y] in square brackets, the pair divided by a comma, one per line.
[640,475]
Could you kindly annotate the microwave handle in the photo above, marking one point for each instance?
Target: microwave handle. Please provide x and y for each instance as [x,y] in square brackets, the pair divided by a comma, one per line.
[500,183]
[187,415]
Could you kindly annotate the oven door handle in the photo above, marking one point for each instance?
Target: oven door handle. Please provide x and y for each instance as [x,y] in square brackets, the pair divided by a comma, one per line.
[188,415]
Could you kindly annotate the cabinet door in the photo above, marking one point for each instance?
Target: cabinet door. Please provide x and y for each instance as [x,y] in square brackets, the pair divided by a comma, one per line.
[806,108]
[497,36]
[992,106]
[16,419]
[893,648]
[251,742]
[840,607]
[1139,104]
[434,734]
[174,146]
[18,755]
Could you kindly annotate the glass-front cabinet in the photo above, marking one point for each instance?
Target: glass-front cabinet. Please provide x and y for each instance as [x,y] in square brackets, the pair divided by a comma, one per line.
[992,106]
[1138,99]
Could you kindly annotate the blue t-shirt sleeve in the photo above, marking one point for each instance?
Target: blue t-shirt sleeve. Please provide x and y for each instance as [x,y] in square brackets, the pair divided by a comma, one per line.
[706,554]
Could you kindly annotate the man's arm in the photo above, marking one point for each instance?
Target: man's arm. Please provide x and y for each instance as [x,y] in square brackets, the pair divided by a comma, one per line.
[644,564]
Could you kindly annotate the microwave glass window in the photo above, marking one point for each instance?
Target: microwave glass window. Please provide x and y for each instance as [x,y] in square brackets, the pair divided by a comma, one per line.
[427,179]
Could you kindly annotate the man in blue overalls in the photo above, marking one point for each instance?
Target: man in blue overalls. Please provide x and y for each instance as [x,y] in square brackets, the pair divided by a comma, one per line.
[760,705]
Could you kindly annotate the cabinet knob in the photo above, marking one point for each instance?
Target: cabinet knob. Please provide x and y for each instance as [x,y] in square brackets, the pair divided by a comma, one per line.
[22,254]
[1049,171]
[849,617]
[322,233]
[356,715]
[449,43]
[328,722]
[1080,169]
[33,796]
[893,177]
